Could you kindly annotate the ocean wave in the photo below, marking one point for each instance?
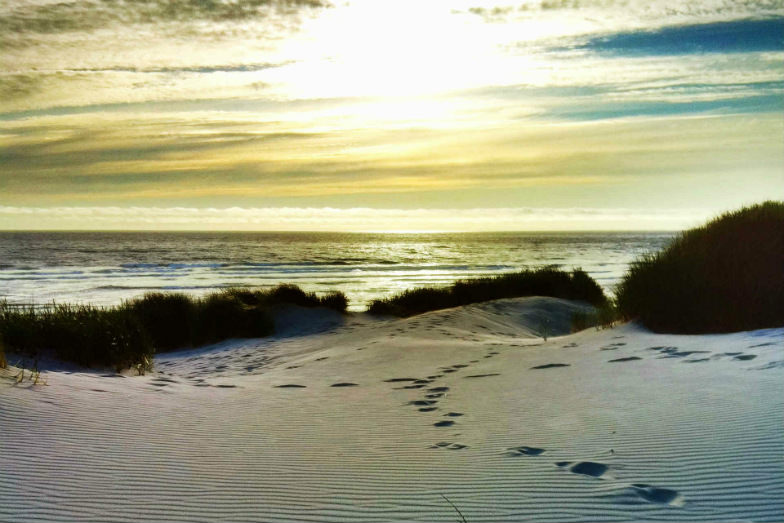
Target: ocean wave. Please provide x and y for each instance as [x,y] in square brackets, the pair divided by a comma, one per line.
[171,266]
[158,287]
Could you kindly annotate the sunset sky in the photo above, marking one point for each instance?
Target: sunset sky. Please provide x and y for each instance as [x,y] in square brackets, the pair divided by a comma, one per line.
[388,115]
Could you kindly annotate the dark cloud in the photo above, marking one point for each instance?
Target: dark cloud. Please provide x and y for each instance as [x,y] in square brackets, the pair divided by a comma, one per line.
[91,15]
[653,10]
[737,36]
[17,85]
[78,148]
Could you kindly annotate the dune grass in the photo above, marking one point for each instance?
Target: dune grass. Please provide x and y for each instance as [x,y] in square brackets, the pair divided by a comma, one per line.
[546,281]
[128,335]
[604,316]
[725,276]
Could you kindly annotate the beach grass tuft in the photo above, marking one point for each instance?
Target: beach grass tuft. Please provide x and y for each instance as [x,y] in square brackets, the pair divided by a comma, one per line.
[127,336]
[3,361]
[725,276]
[604,316]
[546,281]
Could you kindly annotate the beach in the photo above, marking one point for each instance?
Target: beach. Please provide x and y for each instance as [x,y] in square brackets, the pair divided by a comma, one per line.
[357,418]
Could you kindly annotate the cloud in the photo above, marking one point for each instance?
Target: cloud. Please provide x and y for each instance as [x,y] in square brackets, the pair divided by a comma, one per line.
[349,219]
[737,36]
[753,103]
[197,69]
[86,15]
[651,9]
[136,161]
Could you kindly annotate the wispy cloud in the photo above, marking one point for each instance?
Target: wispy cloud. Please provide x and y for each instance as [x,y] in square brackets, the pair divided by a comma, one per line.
[20,18]
[736,36]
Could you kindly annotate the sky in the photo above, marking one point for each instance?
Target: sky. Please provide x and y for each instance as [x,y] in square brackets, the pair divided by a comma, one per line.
[376,115]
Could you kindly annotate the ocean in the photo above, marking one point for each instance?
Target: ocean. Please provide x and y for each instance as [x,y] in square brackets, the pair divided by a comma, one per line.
[105,268]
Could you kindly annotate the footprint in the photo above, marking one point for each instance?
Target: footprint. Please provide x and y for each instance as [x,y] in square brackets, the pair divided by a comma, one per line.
[321,359]
[438,389]
[453,414]
[344,384]
[434,395]
[772,365]
[290,386]
[587,468]
[460,366]
[768,344]
[482,375]
[399,380]
[294,366]
[664,496]
[226,386]
[673,352]
[428,409]
[413,386]
[551,366]
[422,403]
[524,451]
[445,423]
[449,446]
[745,357]
[630,358]
[423,382]
[449,371]
[698,360]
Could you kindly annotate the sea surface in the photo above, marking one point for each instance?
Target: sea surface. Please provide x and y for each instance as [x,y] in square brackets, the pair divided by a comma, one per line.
[104,268]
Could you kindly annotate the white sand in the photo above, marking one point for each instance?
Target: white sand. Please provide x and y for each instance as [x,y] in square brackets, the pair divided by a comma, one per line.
[209,436]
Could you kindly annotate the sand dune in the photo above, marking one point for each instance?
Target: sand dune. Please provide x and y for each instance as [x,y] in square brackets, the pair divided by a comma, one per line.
[363,419]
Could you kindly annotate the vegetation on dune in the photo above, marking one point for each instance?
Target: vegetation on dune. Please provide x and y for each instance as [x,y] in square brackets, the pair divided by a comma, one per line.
[128,335]
[725,276]
[547,281]
[602,317]
[82,334]
[3,362]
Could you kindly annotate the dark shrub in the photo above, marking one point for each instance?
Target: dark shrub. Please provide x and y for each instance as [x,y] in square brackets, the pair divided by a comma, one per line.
[84,335]
[725,276]
[547,281]
[168,319]
[222,315]
[292,295]
[126,336]
[335,301]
